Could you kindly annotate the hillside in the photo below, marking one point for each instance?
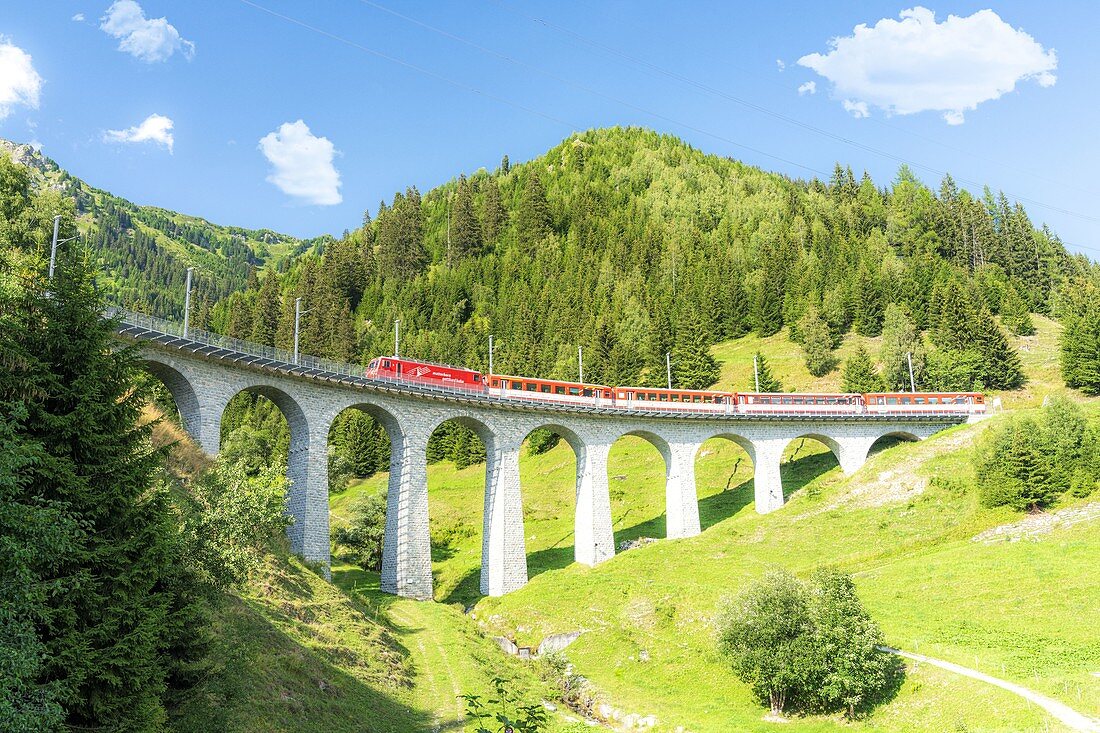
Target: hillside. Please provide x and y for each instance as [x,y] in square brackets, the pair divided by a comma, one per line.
[144,251]
[903,526]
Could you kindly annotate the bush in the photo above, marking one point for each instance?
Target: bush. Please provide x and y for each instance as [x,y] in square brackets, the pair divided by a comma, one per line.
[811,647]
[363,535]
[1012,468]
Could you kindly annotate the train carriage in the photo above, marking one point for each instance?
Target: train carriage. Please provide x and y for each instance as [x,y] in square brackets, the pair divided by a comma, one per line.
[798,402]
[652,398]
[969,403]
[502,385]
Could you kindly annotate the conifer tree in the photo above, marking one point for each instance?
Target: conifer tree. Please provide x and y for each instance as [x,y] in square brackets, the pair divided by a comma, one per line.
[493,215]
[763,375]
[859,373]
[268,306]
[1014,313]
[900,341]
[693,366]
[1080,350]
[465,231]
[533,216]
[400,240]
[1000,364]
[817,343]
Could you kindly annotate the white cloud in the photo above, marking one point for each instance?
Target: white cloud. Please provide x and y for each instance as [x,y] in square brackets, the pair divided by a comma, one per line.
[19,82]
[79,17]
[916,64]
[154,129]
[302,164]
[780,65]
[146,39]
[809,87]
[858,109]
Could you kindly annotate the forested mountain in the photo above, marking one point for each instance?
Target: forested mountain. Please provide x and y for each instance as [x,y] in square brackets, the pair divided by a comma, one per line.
[633,244]
[142,252]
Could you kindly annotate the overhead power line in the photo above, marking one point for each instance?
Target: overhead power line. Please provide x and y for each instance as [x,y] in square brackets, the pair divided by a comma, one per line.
[573,126]
[770,112]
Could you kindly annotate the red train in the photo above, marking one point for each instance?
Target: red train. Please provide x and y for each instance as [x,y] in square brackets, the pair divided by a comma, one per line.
[458,379]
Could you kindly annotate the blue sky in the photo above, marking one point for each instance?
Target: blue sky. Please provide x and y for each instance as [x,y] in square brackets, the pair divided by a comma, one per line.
[166,103]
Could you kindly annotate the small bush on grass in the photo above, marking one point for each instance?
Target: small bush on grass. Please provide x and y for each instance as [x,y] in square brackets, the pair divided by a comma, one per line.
[362,537]
[807,647]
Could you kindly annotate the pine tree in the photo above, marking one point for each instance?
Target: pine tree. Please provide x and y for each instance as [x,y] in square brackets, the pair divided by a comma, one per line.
[859,373]
[114,615]
[400,240]
[1001,367]
[1080,350]
[762,380]
[900,342]
[465,231]
[268,305]
[817,343]
[693,366]
[1014,313]
[494,218]
[533,216]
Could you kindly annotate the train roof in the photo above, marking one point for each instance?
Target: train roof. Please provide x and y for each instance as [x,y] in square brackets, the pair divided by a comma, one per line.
[551,381]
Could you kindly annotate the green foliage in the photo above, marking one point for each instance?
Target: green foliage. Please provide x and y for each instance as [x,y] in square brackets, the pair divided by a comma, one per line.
[817,343]
[1015,315]
[236,516]
[767,635]
[693,367]
[762,377]
[541,440]
[1012,468]
[1080,349]
[362,535]
[859,373]
[900,340]
[506,712]
[811,647]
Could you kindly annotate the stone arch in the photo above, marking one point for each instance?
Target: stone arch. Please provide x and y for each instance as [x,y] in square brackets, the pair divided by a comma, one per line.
[681,505]
[717,505]
[307,470]
[593,539]
[503,550]
[190,407]
[897,436]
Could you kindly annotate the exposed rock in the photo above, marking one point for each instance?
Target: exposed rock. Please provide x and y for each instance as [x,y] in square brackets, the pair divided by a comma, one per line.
[557,642]
[631,544]
[1035,526]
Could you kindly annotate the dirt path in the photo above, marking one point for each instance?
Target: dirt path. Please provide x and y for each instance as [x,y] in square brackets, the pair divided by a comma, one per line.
[1061,711]
[438,686]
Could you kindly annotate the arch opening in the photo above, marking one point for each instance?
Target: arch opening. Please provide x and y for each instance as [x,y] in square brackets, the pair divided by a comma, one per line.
[724,467]
[638,466]
[457,453]
[805,460]
[256,428]
[359,460]
[549,472]
[174,410]
[890,440]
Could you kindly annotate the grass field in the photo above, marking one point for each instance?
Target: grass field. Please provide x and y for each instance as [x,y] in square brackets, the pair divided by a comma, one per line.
[1025,611]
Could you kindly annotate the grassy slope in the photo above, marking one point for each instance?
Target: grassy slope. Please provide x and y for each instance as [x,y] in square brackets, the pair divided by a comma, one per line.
[931,587]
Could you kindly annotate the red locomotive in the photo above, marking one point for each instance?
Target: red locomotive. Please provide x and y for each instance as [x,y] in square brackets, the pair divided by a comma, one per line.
[423,372]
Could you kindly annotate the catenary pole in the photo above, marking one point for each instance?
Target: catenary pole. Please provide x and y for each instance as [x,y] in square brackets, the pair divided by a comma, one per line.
[186,302]
[490,355]
[756,373]
[53,246]
[580,363]
[668,369]
[912,382]
[396,337]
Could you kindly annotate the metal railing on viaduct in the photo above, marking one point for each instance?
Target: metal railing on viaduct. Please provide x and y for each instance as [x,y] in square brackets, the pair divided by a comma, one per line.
[203,371]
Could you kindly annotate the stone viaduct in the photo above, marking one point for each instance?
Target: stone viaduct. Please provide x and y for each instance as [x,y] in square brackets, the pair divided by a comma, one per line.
[203,372]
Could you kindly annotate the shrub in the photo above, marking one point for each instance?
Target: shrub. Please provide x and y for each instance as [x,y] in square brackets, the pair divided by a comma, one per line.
[810,647]
[363,535]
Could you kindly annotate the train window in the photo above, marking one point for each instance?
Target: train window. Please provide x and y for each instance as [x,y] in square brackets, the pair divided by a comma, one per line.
[531,387]
[386,364]
[891,400]
[920,400]
[559,390]
[696,398]
[574,391]
[622,395]
[674,398]
[663,397]
[586,392]
[516,384]
[544,388]
[477,377]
